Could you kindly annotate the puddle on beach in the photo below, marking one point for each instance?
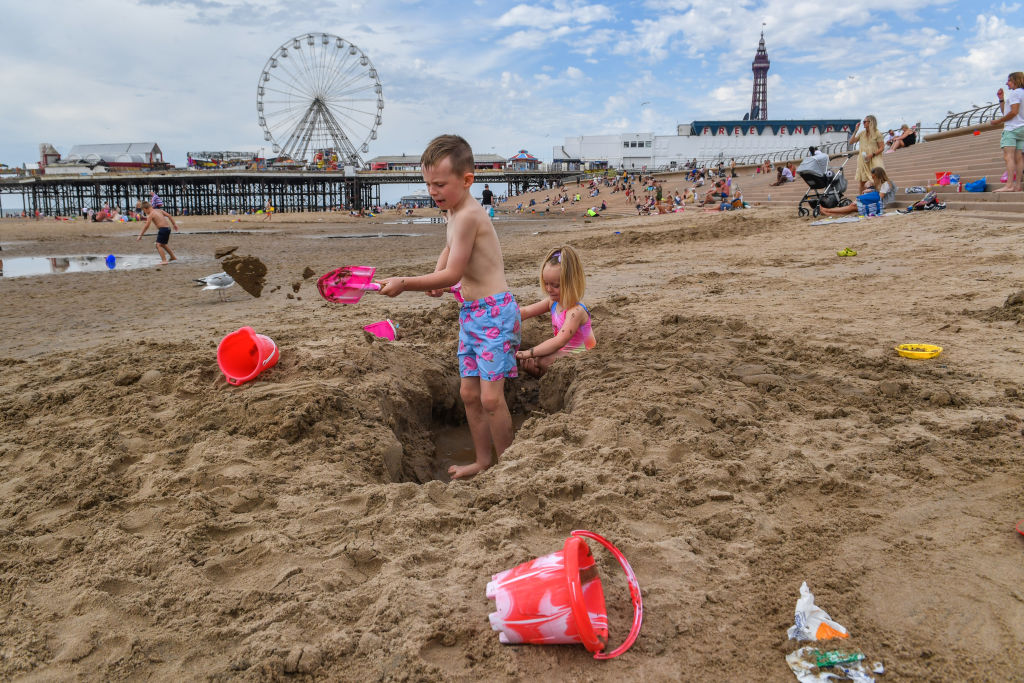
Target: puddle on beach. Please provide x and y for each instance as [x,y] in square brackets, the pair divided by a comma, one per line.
[371,235]
[24,266]
[454,446]
[414,221]
[496,219]
[223,232]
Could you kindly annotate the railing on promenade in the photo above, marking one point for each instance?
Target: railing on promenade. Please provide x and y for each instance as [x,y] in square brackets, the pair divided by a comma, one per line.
[971,117]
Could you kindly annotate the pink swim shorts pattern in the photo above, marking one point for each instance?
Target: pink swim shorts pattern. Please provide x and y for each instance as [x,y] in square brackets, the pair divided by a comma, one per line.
[489,336]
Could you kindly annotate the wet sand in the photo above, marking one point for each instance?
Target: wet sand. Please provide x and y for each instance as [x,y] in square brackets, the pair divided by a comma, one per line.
[743,425]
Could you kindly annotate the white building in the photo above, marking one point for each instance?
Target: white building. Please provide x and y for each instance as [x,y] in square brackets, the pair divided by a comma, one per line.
[119,154]
[706,141]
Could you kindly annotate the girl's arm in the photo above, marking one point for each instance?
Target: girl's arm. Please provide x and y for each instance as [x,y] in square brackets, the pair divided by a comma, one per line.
[573,319]
[533,310]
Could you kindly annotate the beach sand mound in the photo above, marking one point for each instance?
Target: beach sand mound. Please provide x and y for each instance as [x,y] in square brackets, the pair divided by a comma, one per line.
[743,425]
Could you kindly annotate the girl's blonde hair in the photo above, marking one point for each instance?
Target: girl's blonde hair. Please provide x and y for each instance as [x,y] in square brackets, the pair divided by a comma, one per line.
[573,281]
[880,173]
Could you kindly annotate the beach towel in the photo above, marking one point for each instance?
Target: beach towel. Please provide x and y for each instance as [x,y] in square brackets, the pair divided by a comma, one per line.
[841,219]
[852,219]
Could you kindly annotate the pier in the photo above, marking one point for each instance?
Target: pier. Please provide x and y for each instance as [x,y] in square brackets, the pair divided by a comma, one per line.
[220,192]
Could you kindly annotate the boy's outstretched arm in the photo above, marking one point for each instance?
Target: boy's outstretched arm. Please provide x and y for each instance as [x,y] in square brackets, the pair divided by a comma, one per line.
[144,228]
[442,261]
[459,250]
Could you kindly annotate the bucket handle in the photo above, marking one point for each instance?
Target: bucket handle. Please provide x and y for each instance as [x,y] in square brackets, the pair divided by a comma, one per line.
[634,593]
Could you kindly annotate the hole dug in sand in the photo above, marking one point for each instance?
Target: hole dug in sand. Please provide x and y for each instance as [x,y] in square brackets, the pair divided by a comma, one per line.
[424,447]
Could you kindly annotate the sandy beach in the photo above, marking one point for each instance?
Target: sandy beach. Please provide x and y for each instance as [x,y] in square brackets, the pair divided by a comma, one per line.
[743,425]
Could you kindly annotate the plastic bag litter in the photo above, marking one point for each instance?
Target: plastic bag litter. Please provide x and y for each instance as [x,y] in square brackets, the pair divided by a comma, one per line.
[811,622]
[811,665]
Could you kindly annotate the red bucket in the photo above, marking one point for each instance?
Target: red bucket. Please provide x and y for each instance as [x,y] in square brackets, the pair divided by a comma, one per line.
[558,598]
[243,355]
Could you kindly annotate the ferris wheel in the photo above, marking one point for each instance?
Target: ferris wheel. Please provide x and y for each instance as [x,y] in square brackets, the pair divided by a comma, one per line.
[318,92]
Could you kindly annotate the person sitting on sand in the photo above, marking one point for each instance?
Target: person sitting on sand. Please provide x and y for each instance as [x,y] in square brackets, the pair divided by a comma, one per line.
[719,191]
[489,319]
[163,221]
[737,198]
[880,191]
[563,280]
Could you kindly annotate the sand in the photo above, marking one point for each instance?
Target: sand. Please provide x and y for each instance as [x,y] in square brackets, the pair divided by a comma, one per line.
[743,425]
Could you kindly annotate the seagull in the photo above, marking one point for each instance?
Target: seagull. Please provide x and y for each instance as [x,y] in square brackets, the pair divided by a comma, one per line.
[218,281]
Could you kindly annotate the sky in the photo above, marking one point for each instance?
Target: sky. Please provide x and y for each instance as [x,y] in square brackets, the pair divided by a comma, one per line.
[505,75]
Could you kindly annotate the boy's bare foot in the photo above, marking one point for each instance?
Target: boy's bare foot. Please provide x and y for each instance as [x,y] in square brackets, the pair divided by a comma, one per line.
[173,258]
[465,471]
[1006,188]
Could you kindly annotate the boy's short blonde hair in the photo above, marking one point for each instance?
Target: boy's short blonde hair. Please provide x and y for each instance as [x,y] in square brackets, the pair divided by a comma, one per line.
[454,147]
[144,205]
[573,281]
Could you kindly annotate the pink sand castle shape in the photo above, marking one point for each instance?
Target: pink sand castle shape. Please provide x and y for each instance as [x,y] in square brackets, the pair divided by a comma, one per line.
[558,598]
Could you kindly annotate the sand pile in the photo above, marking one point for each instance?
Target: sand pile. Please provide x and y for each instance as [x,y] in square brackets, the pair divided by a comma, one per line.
[248,271]
[742,426]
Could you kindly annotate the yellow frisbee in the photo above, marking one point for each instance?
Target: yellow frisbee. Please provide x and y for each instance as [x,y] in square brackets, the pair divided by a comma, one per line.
[918,350]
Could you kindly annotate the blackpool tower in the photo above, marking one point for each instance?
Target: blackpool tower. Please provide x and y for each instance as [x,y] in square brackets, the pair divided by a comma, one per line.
[759,100]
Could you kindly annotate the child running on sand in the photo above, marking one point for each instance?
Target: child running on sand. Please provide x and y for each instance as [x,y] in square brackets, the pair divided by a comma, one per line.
[489,322]
[163,231]
[562,279]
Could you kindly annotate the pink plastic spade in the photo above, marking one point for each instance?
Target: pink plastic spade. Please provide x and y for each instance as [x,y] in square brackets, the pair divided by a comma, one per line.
[385,329]
[346,285]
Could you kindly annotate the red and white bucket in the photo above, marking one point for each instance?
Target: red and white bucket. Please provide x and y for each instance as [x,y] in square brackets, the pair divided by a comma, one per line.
[244,354]
[558,599]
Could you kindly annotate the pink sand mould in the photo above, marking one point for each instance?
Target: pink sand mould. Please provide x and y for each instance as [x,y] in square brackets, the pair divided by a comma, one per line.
[385,329]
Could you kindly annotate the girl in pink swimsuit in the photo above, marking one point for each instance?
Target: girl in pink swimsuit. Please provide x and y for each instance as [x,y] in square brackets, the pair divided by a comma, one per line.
[562,279]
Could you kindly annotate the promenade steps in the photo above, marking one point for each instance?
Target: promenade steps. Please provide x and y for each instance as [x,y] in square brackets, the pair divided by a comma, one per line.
[971,156]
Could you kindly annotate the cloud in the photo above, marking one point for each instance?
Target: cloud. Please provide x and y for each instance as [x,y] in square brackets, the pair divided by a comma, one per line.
[522,75]
[560,12]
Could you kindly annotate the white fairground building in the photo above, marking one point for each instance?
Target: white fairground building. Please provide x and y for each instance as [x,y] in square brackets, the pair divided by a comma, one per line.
[705,141]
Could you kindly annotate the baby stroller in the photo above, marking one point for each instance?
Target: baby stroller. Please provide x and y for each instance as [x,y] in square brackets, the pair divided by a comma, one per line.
[822,190]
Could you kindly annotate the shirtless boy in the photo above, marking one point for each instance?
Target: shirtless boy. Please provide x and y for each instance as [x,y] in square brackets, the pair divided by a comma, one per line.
[163,221]
[489,321]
